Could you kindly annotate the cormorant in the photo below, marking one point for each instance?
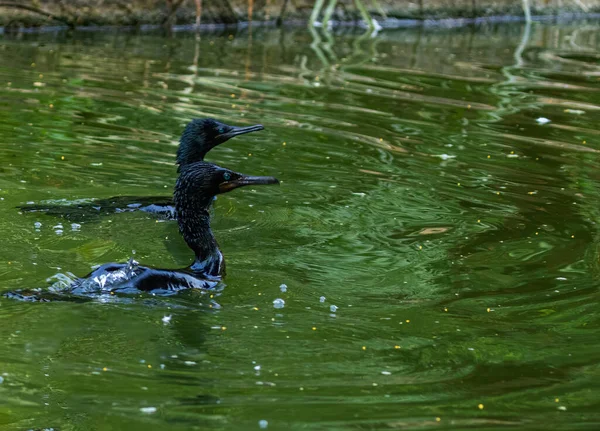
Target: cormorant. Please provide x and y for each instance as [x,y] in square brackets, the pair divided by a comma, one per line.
[198,138]
[197,185]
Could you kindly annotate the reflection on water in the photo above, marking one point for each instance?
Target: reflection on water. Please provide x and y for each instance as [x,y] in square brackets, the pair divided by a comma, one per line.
[424,197]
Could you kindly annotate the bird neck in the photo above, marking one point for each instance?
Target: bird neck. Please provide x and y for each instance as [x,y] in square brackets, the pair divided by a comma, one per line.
[192,148]
[194,225]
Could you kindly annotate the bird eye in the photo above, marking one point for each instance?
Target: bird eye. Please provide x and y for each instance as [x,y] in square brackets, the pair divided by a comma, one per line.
[221,130]
[226,176]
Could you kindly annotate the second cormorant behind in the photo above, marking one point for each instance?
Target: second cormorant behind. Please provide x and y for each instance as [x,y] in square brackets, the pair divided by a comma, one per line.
[198,138]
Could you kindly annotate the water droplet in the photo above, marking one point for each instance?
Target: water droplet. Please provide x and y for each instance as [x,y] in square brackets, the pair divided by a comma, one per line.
[283,288]
[322,299]
[333,308]
[279,303]
[148,410]
[263,424]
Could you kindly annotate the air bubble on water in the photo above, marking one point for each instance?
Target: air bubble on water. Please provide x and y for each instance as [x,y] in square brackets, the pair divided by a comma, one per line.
[148,410]
[333,308]
[386,373]
[283,288]
[257,368]
[37,225]
[263,424]
[58,232]
[167,319]
[279,303]
[322,299]
[1,380]
[75,227]
[542,120]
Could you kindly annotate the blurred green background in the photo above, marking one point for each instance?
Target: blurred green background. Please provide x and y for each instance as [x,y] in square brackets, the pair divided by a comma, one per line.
[423,194]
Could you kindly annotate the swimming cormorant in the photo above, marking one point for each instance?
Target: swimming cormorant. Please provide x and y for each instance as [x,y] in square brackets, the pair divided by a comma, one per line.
[198,138]
[197,185]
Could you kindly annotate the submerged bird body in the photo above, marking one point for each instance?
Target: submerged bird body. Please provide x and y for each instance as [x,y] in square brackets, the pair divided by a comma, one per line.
[198,138]
[195,189]
[131,278]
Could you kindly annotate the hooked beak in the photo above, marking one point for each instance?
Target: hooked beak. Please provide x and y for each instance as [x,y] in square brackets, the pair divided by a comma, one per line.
[235,131]
[246,180]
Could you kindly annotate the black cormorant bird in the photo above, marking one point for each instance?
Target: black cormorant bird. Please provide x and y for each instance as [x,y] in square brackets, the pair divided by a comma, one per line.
[197,185]
[198,138]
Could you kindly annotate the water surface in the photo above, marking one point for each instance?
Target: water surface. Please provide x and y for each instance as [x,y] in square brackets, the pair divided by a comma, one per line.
[424,194]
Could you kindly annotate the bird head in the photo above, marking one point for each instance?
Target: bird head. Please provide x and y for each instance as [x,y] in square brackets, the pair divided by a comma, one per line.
[200,182]
[201,135]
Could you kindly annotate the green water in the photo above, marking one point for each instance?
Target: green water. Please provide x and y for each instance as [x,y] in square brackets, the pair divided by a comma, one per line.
[457,237]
